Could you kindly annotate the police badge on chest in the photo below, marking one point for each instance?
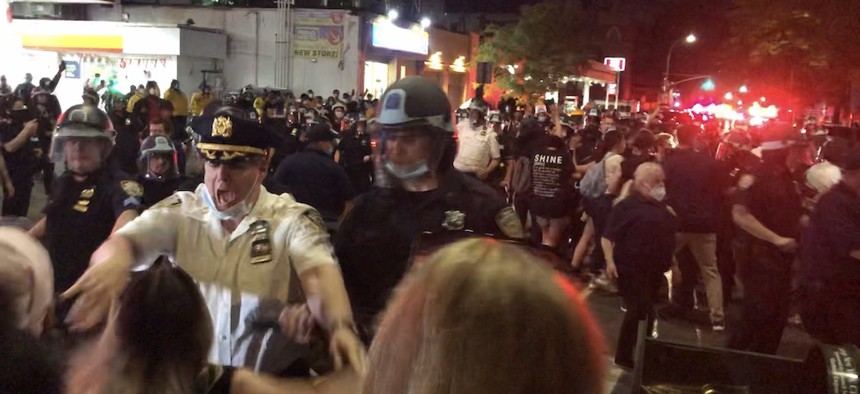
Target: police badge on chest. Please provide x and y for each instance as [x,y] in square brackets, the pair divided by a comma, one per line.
[261,245]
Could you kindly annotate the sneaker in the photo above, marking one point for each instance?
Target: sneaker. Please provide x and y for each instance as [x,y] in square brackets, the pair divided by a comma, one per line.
[718,326]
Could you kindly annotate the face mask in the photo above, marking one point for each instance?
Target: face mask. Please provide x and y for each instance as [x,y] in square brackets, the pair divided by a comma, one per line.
[236,212]
[408,174]
[152,91]
[541,118]
[658,193]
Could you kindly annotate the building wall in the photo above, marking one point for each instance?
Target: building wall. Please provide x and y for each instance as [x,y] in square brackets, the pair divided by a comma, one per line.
[251,47]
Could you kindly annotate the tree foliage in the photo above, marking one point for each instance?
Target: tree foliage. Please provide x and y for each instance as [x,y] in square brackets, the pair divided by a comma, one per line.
[546,44]
[813,41]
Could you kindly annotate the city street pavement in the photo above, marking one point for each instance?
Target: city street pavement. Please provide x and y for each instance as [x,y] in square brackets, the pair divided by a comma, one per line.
[606,310]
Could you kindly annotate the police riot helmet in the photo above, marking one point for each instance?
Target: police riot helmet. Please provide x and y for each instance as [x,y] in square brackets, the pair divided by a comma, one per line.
[462,115]
[416,105]
[158,147]
[82,121]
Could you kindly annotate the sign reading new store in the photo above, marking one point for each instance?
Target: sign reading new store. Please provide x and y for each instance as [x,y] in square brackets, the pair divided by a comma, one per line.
[389,36]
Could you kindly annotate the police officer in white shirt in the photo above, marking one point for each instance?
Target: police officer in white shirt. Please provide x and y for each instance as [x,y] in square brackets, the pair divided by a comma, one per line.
[239,242]
[478,152]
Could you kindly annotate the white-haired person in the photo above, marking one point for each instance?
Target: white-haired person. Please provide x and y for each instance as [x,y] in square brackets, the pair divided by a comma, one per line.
[638,244]
[26,291]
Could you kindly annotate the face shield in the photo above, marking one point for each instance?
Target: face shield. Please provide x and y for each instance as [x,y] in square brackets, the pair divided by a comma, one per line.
[409,153]
[82,125]
[158,159]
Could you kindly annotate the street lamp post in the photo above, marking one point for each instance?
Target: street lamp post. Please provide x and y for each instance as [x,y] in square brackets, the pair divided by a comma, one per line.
[691,38]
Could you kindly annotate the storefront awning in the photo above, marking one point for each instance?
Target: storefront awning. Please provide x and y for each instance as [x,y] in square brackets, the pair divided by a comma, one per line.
[598,71]
[115,37]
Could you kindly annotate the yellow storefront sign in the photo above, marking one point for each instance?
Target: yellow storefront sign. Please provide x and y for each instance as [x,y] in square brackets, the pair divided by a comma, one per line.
[80,42]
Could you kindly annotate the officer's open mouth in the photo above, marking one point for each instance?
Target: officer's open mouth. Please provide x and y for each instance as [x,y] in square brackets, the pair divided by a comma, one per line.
[225,197]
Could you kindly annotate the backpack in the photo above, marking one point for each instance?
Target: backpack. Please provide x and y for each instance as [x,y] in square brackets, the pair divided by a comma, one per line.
[593,184]
[521,178]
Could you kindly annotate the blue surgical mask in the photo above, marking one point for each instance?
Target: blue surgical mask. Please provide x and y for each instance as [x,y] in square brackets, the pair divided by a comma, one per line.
[408,174]
[236,212]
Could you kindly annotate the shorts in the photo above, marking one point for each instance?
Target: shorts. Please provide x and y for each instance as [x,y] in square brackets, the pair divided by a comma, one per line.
[551,208]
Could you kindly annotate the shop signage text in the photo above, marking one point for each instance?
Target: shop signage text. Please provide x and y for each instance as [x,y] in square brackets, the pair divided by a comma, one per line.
[318,35]
[387,35]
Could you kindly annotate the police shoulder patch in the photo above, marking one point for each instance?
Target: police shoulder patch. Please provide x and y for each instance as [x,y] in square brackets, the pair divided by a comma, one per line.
[746,181]
[509,223]
[314,216]
[169,202]
[132,188]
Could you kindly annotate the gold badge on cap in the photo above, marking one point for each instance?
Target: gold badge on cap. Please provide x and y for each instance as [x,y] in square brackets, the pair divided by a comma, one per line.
[222,126]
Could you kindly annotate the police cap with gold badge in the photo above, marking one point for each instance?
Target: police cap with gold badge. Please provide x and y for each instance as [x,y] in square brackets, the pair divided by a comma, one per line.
[226,134]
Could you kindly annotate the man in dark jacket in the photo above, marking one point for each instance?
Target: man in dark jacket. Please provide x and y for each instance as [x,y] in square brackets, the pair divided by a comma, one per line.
[693,191]
[313,177]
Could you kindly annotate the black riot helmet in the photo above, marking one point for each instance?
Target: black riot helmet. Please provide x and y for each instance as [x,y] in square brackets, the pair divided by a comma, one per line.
[158,147]
[82,121]
[416,105]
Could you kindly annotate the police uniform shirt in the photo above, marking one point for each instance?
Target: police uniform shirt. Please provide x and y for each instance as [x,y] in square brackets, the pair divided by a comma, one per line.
[353,148]
[375,239]
[315,179]
[80,216]
[476,148]
[156,190]
[772,197]
[243,284]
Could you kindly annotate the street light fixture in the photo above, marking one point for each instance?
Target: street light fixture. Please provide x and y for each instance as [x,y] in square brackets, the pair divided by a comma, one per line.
[392,15]
[743,89]
[425,22]
[689,39]
[729,96]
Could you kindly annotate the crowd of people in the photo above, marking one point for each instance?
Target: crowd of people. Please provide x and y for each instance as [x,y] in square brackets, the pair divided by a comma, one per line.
[238,244]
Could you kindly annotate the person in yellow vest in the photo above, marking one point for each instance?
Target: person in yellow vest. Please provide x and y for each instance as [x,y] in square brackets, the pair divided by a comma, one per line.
[260,102]
[139,94]
[200,99]
[180,105]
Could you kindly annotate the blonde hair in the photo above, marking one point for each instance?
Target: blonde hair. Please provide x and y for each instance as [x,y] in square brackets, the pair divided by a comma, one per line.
[480,316]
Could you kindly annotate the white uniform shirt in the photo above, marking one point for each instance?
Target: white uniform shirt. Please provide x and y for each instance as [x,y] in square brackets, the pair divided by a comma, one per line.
[237,292]
[476,148]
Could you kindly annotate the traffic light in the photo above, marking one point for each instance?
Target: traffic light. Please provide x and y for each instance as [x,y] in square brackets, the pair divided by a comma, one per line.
[708,85]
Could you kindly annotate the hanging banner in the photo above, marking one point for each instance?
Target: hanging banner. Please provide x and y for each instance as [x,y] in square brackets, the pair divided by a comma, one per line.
[318,34]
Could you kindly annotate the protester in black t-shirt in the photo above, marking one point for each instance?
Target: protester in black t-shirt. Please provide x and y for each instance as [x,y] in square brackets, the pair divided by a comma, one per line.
[551,200]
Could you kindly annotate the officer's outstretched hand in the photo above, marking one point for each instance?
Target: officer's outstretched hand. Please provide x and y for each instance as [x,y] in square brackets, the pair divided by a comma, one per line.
[346,345]
[297,323]
[95,291]
[786,244]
